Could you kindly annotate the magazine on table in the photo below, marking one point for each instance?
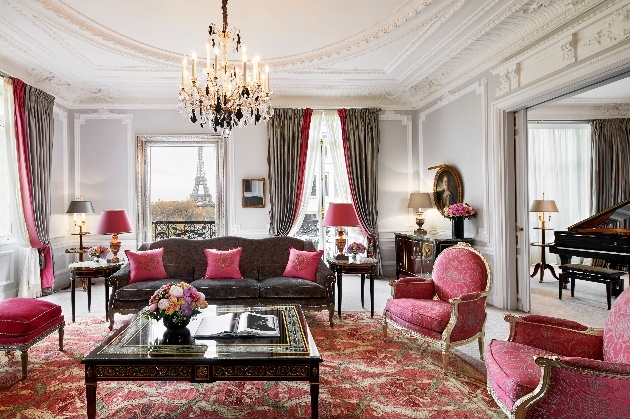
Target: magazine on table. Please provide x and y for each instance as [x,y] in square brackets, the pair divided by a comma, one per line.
[234,325]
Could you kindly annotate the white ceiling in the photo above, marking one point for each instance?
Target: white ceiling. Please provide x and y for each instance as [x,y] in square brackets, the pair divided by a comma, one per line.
[391,54]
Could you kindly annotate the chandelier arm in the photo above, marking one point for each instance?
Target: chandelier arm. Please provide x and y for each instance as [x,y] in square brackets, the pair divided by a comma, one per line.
[224,8]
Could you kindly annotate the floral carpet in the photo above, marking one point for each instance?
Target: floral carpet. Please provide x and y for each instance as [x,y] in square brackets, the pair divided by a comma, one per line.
[362,376]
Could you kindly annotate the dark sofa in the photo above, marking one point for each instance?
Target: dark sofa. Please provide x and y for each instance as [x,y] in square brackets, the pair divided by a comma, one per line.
[262,264]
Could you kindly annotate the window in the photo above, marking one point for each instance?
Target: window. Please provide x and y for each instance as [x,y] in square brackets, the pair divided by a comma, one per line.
[181,186]
[5,209]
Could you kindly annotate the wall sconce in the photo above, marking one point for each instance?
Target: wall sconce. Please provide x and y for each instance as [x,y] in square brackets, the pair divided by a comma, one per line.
[419,201]
[79,206]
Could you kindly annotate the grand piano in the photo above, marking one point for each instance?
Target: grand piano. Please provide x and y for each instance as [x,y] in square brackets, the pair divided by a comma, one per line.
[603,236]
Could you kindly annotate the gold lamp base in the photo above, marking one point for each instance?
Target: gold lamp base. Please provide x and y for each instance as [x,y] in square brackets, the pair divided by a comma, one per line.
[341,245]
[114,246]
[420,231]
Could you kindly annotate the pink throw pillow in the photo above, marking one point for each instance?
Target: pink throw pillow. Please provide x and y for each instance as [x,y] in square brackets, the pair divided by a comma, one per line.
[223,263]
[146,265]
[303,264]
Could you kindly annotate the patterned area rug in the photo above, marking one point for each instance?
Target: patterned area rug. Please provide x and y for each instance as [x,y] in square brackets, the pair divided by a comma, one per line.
[362,376]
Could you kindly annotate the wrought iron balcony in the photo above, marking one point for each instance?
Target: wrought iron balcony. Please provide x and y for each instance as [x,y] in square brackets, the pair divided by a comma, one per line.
[184,229]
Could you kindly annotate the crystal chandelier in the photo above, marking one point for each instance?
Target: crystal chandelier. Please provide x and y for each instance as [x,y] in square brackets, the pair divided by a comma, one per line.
[233,96]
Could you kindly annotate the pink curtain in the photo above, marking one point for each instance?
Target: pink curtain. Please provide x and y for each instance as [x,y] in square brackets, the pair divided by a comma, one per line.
[306,126]
[26,187]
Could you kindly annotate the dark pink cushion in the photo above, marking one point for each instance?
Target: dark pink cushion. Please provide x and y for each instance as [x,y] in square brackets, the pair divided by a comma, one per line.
[617,330]
[223,263]
[22,317]
[426,314]
[511,369]
[303,264]
[146,265]
[459,271]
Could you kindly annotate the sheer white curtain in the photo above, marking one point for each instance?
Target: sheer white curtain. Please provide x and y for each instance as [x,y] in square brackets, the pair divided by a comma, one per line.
[30,278]
[559,158]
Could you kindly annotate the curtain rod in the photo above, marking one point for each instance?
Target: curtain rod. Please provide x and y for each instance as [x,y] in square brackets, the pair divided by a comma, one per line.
[3,74]
[559,121]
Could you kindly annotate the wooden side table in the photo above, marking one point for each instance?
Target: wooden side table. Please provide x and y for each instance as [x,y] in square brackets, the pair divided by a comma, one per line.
[88,270]
[542,265]
[341,267]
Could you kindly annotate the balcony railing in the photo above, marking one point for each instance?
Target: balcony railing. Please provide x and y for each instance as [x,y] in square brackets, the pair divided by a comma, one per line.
[184,229]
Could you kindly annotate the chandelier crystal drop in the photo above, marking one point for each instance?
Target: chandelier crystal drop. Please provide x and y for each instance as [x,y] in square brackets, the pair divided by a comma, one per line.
[234,96]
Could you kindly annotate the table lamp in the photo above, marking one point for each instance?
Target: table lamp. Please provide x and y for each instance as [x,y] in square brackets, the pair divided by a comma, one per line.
[79,206]
[114,222]
[341,215]
[419,201]
[542,206]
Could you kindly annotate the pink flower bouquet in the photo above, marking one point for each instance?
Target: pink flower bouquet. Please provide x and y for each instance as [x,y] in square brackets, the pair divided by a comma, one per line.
[98,252]
[355,248]
[459,210]
[177,302]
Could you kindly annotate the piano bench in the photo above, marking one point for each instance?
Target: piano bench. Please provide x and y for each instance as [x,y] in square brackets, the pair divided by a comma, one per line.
[610,277]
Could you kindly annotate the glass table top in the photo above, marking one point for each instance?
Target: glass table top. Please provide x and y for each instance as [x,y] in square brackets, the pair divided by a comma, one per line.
[143,337]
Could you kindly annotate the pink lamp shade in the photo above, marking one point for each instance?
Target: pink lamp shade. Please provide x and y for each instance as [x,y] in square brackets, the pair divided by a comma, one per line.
[113,222]
[341,215]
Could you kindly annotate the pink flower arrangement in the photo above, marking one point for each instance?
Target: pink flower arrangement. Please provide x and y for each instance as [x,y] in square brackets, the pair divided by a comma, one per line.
[459,210]
[98,252]
[355,248]
[177,301]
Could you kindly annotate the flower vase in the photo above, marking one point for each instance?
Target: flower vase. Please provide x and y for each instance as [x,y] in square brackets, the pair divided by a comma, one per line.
[171,325]
[96,259]
[354,258]
[458,227]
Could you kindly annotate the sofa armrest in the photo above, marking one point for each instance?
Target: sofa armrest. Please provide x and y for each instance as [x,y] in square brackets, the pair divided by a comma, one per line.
[325,277]
[120,278]
[555,335]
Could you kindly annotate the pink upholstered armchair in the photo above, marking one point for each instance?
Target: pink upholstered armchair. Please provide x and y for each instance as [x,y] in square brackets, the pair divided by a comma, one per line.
[554,368]
[447,310]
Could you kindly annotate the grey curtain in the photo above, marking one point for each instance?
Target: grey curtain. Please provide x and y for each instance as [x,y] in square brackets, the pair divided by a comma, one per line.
[40,130]
[611,171]
[283,157]
[361,136]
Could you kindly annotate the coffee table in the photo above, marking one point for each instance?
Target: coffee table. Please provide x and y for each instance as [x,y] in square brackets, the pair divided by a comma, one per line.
[143,350]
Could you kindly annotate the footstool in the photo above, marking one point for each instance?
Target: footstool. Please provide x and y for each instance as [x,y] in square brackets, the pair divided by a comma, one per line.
[26,321]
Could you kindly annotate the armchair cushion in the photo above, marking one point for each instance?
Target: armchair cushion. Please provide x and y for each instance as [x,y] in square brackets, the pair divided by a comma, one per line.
[512,372]
[459,271]
[417,314]
[413,287]
[617,331]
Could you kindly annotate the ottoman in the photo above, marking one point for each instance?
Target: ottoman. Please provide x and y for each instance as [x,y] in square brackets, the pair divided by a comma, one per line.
[26,321]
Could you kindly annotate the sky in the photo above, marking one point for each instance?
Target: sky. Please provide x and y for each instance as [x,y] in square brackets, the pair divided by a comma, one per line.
[173,171]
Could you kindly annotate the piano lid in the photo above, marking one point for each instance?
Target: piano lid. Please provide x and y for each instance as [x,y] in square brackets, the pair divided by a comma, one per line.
[609,216]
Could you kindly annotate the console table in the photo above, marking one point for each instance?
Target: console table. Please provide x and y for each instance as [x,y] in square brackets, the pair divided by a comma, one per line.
[415,255]
[88,270]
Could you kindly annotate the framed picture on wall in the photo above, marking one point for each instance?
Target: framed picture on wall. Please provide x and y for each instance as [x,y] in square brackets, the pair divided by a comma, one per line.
[254,193]
[447,187]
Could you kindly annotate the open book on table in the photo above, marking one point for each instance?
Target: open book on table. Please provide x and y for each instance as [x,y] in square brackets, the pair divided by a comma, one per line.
[234,324]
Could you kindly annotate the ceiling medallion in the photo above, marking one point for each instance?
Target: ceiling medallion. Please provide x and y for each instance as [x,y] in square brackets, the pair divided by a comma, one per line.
[233,96]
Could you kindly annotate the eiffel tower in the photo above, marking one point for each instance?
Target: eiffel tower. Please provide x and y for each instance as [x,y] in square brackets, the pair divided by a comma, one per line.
[201,199]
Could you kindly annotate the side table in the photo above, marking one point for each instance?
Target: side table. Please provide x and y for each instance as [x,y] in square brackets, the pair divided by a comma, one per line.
[542,265]
[341,267]
[88,270]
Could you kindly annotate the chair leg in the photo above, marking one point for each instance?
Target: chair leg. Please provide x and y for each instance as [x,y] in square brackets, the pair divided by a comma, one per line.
[480,342]
[24,356]
[445,360]
[384,328]
[331,314]
[61,338]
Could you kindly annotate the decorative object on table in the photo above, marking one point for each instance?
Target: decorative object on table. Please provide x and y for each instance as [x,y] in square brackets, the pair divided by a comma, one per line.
[542,206]
[458,213]
[175,304]
[447,187]
[114,222]
[79,206]
[98,252]
[341,215]
[419,201]
[231,97]
[355,249]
